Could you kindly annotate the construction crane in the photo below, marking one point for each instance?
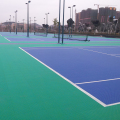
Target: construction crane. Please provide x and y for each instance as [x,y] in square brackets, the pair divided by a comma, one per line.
[101,5]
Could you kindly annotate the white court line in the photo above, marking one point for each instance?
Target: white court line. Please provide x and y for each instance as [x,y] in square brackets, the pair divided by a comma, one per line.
[115,54]
[98,81]
[7,39]
[91,96]
[113,104]
[38,39]
[0,34]
[97,47]
[99,52]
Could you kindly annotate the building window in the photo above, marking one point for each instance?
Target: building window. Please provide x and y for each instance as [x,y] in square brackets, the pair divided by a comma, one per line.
[110,8]
[114,8]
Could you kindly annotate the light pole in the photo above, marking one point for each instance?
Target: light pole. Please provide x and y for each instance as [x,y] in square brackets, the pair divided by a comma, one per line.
[47,18]
[70,11]
[98,11]
[72,18]
[10,23]
[16,20]
[28,18]
[23,25]
[59,21]
[30,24]
[13,23]
[18,26]
[34,24]
[44,20]
[63,20]
[7,27]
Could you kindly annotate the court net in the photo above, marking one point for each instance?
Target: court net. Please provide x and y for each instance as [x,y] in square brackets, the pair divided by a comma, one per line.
[73,37]
[41,34]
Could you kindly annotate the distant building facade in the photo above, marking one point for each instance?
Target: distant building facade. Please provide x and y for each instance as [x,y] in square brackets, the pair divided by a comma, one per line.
[77,19]
[117,14]
[105,13]
[86,16]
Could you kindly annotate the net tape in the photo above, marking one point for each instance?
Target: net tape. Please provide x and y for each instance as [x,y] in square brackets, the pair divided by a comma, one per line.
[41,34]
[73,37]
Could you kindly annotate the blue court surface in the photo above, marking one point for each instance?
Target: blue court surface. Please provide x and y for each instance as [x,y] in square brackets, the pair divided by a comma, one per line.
[93,70]
[92,38]
[23,37]
[27,39]
[47,39]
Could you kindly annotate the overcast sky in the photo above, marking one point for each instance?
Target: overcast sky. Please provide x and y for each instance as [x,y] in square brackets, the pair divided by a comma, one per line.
[38,8]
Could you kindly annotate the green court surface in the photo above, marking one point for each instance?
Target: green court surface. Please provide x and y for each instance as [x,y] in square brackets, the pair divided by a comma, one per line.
[31,91]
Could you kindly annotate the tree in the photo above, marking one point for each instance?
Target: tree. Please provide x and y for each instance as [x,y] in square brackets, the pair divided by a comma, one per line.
[55,22]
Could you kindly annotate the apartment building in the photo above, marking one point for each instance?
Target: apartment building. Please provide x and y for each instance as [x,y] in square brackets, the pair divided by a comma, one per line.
[86,16]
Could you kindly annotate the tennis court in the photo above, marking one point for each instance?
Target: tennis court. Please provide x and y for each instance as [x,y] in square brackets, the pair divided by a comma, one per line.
[83,66]
[44,80]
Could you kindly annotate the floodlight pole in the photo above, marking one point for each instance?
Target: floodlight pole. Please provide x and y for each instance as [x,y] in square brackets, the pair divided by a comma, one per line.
[72,10]
[13,23]
[23,25]
[30,24]
[59,21]
[18,26]
[63,20]
[46,17]
[44,20]
[34,24]
[10,23]
[28,18]
[72,18]
[16,20]
[47,22]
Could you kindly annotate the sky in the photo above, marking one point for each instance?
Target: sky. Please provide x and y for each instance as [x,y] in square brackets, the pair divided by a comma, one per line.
[38,8]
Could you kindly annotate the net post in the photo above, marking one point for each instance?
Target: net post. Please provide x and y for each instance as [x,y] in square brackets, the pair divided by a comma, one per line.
[86,37]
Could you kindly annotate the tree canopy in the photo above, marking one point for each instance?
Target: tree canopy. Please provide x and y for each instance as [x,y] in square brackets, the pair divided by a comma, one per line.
[55,22]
